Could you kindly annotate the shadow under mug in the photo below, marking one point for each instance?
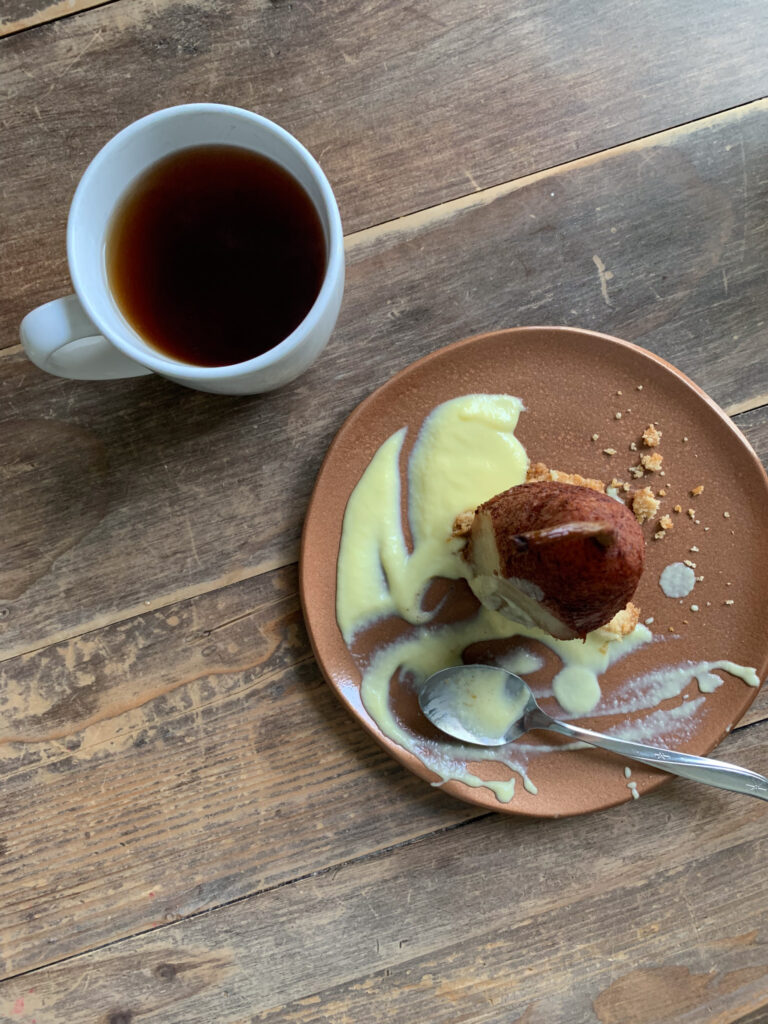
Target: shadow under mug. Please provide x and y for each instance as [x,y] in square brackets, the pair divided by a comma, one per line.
[86,337]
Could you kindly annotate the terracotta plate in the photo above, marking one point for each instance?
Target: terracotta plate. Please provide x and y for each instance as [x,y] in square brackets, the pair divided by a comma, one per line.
[573,384]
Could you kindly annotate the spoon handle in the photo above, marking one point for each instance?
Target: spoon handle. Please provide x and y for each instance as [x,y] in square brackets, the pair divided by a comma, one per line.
[690,766]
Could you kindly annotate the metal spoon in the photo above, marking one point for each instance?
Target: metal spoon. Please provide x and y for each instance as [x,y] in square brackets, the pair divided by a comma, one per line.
[489,707]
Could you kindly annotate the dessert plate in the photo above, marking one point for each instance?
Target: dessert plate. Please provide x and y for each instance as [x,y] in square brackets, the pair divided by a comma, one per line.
[573,383]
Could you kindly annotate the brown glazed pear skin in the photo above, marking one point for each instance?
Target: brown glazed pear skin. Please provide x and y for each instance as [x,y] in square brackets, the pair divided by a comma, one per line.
[562,557]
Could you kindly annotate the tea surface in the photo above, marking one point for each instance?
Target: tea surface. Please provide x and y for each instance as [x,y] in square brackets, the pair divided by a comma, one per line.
[215,255]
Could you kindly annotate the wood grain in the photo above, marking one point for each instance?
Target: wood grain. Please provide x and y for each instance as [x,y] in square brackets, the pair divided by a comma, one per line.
[181,760]
[754,426]
[178,761]
[19,15]
[177,492]
[497,921]
[191,828]
[405,105]
[755,1017]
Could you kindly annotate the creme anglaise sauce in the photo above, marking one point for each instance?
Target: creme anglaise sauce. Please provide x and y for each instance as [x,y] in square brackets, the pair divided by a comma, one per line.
[465,452]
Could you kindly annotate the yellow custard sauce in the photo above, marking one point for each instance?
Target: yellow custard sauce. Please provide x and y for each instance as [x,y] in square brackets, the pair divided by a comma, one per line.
[481,703]
[466,452]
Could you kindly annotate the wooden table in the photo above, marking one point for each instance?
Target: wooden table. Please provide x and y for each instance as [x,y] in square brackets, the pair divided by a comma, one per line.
[192,829]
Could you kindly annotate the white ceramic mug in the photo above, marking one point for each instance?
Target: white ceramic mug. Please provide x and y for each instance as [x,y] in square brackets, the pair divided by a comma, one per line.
[86,337]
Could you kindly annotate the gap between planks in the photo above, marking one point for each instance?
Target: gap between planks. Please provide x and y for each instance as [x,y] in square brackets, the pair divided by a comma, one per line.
[329,869]
[410,223]
[747,405]
[56,11]
[225,904]
[161,601]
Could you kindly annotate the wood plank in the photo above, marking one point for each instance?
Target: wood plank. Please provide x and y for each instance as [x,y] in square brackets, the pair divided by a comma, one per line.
[756,1017]
[183,760]
[754,426]
[758,712]
[494,922]
[404,105]
[117,487]
[178,761]
[19,15]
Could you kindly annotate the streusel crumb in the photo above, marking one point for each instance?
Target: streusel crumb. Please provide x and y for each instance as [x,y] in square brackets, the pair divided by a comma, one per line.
[652,461]
[623,622]
[644,505]
[651,436]
[538,471]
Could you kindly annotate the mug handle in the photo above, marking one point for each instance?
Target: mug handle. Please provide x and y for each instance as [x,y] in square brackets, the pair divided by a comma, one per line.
[60,339]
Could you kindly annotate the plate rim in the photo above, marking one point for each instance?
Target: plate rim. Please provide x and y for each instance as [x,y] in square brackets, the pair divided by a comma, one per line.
[413,763]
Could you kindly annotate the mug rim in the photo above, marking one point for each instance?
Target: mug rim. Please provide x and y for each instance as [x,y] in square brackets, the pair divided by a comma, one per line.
[166,365]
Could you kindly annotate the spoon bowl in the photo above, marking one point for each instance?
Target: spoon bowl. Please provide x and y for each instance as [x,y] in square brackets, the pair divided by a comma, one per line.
[491,707]
[479,704]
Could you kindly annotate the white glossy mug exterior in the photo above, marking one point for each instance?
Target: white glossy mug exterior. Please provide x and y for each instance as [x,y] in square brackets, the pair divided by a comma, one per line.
[86,337]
